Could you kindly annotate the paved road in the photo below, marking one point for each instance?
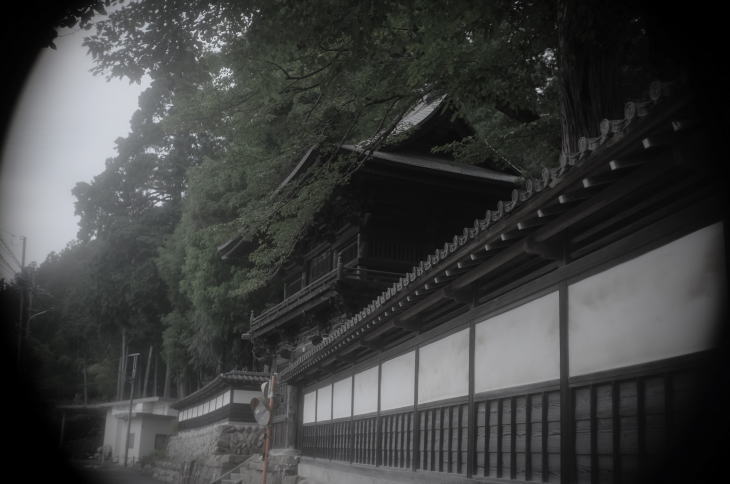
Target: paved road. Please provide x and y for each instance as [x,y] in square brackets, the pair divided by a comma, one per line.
[115,474]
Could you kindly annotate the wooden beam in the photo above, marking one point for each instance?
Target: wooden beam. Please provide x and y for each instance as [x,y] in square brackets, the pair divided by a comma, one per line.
[406,325]
[547,250]
[574,197]
[618,165]
[532,223]
[464,296]
[510,235]
[551,211]
[683,124]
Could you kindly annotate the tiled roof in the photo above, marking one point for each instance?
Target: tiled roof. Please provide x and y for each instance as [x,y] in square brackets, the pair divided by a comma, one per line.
[220,382]
[485,235]
[236,376]
[438,164]
[418,114]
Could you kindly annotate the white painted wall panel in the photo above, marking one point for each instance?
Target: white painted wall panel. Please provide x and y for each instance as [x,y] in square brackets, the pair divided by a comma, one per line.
[324,403]
[342,398]
[665,303]
[397,381]
[518,347]
[308,412]
[366,391]
[245,396]
[443,368]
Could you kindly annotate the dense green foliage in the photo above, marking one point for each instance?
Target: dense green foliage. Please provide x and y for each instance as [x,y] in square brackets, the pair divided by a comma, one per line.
[240,91]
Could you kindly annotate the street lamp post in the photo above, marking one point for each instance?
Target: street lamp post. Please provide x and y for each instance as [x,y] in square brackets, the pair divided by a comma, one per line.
[131,399]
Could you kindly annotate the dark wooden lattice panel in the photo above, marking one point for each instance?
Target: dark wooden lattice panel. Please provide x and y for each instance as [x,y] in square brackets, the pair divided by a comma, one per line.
[624,427]
[443,438]
[518,437]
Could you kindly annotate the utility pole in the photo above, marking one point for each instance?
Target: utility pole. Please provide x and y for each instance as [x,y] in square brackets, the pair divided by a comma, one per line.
[131,399]
[21,314]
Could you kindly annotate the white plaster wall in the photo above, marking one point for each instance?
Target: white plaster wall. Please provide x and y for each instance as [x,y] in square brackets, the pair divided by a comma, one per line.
[309,411]
[110,430]
[665,303]
[366,391]
[324,403]
[136,429]
[443,368]
[118,446]
[245,396]
[151,426]
[519,346]
[342,398]
[397,381]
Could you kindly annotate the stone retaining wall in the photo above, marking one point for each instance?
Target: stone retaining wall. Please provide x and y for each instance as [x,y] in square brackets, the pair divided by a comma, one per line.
[197,456]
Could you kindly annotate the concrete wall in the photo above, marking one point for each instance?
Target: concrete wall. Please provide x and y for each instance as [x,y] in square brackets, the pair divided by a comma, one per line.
[667,302]
[151,426]
[519,346]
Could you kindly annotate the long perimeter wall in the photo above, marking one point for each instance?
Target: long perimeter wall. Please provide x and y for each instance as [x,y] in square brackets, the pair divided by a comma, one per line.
[605,364]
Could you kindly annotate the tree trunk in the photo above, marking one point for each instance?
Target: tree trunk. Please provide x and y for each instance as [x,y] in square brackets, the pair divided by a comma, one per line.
[168,375]
[155,388]
[86,392]
[145,385]
[122,367]
[590,52]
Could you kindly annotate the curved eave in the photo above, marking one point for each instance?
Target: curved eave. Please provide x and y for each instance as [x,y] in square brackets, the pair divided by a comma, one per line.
[440,165]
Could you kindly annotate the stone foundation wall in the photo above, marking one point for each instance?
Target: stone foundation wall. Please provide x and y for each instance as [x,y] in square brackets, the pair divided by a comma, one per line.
[197,456]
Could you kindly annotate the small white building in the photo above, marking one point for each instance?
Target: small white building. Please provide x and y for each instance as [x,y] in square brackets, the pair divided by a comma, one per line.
[153,421]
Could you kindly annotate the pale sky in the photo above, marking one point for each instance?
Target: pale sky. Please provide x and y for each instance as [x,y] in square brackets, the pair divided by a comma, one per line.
[62,132]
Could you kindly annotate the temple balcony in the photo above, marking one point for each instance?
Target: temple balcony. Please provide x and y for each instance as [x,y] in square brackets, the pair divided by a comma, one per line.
[358,272]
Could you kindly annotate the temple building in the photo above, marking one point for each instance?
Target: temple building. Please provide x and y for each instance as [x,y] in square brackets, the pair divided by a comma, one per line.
[563,334]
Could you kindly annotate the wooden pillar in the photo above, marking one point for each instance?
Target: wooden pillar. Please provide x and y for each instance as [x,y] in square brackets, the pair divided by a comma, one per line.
[471,416]
[415,459]
[378,443]
[63,428]
[567,441]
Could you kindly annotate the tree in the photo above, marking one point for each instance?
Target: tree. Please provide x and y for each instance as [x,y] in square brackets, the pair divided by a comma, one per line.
[241,89]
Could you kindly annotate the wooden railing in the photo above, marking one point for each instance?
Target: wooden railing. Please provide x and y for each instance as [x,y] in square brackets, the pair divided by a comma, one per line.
[317,287]
[307,293]
[371,275]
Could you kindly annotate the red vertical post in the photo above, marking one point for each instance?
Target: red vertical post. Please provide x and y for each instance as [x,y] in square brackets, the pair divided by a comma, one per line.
[267,442]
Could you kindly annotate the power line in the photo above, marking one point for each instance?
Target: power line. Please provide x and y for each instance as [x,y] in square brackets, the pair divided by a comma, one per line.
[11,252]
[4,261]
